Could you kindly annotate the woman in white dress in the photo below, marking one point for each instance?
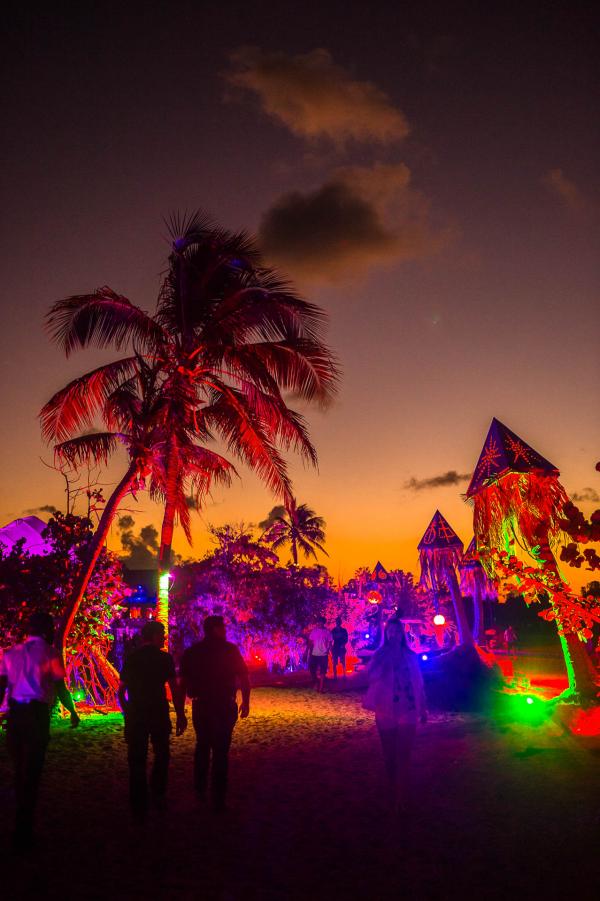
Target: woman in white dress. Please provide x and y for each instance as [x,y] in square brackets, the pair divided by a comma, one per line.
[397,696]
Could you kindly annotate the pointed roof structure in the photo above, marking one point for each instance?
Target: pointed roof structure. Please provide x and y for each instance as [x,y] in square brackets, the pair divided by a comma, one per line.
[439,535]
[504,452]
[29,531]
[469,558]
[380,573]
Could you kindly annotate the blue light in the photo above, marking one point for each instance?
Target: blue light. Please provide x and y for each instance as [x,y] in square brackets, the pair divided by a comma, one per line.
[424,657]
[367,635]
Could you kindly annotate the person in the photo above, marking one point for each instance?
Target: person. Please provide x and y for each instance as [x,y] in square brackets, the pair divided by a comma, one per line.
[319,642]
[210,673]
[510,639]
[145,708]
[339,637]
[396,694]
[32,673]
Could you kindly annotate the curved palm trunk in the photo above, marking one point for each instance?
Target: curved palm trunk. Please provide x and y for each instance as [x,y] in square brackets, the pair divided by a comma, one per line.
[464,629]
[477,613]
[295,552]
[94,550]
[166,542]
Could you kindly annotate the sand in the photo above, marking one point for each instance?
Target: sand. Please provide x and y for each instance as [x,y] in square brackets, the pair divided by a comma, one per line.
[497,810]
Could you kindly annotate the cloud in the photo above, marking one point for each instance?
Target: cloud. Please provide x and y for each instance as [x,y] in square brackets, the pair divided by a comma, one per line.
[272,516]
[566,190]
[586,494]
[452,477]
[362,216]
[141,550]
[316,98]
[46,508]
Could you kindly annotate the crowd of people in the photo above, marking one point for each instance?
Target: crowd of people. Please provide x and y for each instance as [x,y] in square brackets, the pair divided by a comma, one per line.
[211,673]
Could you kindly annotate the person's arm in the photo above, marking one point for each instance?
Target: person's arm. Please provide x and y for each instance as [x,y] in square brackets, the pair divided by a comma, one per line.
[242,674]
[64,696]
[178,698]
[122,696]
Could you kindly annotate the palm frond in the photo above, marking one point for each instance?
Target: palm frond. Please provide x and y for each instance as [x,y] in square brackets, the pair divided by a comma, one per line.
[94,448]
[100,319]
[78,404]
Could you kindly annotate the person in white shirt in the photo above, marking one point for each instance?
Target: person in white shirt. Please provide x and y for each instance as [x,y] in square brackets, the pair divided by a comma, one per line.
[32,673]
[397,696]
[319,642]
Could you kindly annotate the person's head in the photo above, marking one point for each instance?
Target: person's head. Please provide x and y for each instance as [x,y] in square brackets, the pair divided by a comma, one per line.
[214,627]
[338,620]
[153,632]
[395,635]
[320,621]
[41,625]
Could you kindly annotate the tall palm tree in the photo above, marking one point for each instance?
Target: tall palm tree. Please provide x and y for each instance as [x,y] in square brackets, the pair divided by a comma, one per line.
[300,527]
[228,340]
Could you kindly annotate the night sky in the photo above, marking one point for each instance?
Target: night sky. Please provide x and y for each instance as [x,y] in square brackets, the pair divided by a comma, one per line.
[427,175]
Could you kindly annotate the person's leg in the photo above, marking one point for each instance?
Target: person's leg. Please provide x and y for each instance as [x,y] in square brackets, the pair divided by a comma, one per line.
[221,732]
[160,737]
[137,755]
[202,751]
[334,660]
[312,668]
[405,740]
[388,738]
[343,662]
[27,739]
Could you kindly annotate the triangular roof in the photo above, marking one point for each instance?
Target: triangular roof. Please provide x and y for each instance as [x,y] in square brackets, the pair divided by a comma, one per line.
[30,530]
[504,452]
[469,556]
[439,535]
[380,573]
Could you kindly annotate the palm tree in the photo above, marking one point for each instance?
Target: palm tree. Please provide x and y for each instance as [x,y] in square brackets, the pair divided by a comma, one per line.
[228,339]
[299,527]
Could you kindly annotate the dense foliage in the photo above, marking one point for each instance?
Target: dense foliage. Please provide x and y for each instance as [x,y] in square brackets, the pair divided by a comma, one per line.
[43,582]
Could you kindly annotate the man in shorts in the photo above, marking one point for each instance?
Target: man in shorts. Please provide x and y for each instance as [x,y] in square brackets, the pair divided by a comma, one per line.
[319,642]
[339,637]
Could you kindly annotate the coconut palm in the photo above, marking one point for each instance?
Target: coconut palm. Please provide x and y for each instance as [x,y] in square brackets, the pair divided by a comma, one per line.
[228,339]
[300,528]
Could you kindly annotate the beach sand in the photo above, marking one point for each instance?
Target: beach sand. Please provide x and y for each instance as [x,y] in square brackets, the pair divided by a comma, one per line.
[496,811]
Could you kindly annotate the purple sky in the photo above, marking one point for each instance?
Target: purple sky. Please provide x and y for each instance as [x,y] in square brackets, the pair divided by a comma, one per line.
[429,178]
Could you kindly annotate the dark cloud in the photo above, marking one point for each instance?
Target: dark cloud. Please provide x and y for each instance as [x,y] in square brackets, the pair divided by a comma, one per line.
[316,98]
[361,216]
[45,508]
[586,494]
[452,477]
[271,518]
[142,549]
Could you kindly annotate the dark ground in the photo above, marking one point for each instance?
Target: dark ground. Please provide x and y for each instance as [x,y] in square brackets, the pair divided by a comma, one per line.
[498,811]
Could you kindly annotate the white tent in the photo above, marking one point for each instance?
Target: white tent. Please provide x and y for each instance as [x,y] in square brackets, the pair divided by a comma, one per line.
[30,529]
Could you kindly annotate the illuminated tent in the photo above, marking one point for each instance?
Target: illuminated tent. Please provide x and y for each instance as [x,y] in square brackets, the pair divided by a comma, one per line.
[29,530]
[475,582]
[440,552]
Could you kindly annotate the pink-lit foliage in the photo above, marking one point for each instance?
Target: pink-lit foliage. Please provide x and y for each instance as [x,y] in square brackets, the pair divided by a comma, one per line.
[268,608]
[35,582]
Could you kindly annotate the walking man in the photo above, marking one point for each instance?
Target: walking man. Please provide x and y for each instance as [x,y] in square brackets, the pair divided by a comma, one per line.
[146,711]
[211,672]
[319,642]
[33,673]
[339,636]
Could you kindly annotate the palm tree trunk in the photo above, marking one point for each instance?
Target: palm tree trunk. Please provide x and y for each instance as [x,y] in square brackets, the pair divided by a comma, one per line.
[166,543]
[294,552]
[94,550]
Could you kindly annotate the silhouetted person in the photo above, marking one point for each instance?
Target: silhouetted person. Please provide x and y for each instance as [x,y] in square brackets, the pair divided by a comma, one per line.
[397,696]
[145,707]
[211,672]
[339,637]
[510,639]
[319,642]
[33,673]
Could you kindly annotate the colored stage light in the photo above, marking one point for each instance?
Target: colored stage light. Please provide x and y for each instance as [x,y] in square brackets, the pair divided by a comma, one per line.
[424,657]
[529,700]
[439,619]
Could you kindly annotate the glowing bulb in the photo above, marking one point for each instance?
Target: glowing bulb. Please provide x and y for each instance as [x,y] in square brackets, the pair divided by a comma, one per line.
[367,635]
[529,700]
[439,619]
[424,657]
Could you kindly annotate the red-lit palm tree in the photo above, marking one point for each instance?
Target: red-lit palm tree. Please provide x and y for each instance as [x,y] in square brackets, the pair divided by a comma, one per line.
[229,339]
[300,527]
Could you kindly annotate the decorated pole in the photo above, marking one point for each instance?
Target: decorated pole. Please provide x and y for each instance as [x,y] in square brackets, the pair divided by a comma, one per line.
[518,500]
[474,581]
[440,553]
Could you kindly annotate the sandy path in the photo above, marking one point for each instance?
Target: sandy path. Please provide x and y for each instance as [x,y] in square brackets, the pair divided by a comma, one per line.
[497,812]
